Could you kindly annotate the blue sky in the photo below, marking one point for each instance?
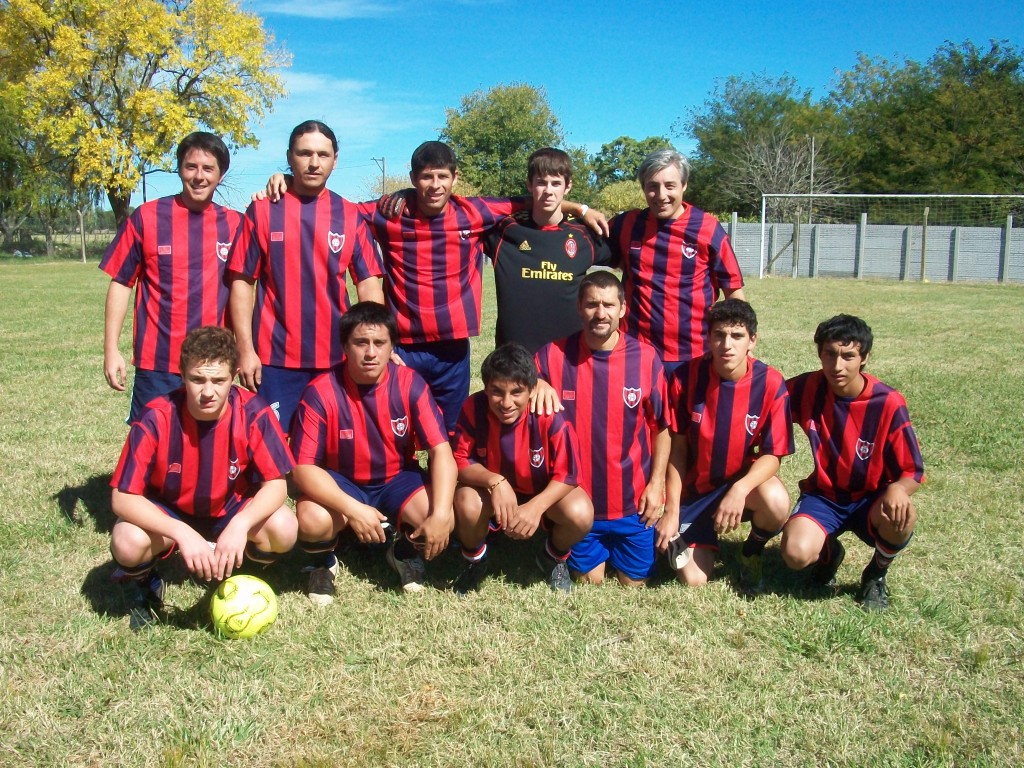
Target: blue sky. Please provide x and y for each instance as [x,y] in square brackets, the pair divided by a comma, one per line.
[382,72]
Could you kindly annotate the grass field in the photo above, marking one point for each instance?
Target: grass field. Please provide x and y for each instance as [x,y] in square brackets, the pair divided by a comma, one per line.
[517,675]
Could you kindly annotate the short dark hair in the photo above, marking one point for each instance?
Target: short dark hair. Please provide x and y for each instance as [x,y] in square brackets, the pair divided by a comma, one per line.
[367,313]
[846,329]
[207,142]
[433,154]
[733,312]
[208,344]
[549,162]
[601,278]
[509,362]
[312,126]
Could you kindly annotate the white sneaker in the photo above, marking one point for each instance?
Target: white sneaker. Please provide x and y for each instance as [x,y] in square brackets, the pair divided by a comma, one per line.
[321,584]
[411,572]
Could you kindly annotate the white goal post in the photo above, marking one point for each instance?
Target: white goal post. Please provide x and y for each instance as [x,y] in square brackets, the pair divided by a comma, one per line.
[926,237]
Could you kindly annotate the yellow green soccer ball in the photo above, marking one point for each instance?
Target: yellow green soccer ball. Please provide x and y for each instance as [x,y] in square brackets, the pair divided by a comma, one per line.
[243,606]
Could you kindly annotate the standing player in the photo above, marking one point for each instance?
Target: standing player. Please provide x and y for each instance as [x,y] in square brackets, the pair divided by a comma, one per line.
[675,258]
[298,250]
[354,436]
[175,249]
[517,471]
[539,258]
[731,425]
[203,470]
[613,389]
[867,463]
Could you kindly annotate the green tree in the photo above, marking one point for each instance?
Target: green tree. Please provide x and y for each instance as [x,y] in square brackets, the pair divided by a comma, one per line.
[494,132]
[953,124]
[619,159]
[620,196]
[113,86]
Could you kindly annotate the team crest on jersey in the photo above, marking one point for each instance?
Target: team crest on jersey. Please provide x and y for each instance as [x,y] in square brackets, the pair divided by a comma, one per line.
[750,422]
[864,449]
[571,247]
[464,234]
[631,396]
[233,469]
[689,251]
[400,426]
[335,241]
[536,457]
[223,249]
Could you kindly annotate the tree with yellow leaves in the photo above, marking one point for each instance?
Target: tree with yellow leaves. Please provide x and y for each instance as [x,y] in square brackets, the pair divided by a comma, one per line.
[115,85]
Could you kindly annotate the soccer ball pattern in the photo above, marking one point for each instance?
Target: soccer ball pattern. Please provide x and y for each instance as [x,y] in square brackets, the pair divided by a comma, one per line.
[243,606]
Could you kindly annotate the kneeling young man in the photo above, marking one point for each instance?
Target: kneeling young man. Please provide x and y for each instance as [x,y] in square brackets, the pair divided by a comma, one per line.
[354,438]
[731,426]
[517,471]
[867,463]
[203,470]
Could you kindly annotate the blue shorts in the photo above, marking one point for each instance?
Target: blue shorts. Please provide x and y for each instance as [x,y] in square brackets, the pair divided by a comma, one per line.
[836,519]
[388,498]
[697,518]
[149,385]
[626,544]
[444,365]
[545,523]
[282,388]
[207,527]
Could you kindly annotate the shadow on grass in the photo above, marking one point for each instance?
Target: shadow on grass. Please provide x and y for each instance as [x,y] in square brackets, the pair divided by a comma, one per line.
[90,499]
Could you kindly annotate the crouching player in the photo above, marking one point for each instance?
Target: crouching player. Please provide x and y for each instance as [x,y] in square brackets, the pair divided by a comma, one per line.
[867,463]
[731,426]
[203,470]
[354,438]
[613,389]
[517,471]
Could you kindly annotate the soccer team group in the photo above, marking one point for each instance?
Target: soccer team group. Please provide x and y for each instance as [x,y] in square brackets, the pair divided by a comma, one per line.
[626,420]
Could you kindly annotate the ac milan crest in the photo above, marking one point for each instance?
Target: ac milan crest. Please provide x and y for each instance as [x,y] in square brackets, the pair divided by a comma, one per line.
[536,457]
[631,396]
[335,241]
[571,247]
[864,449]
[400,426]
[750,422]
[689,251]
[223,249]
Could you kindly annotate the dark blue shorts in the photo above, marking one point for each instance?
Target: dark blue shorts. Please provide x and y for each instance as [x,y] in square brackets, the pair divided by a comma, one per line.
[835,518]
[697,518]
[444,365]
[282,388]
[207,527]
[626,544]
[149,385]
[388,498]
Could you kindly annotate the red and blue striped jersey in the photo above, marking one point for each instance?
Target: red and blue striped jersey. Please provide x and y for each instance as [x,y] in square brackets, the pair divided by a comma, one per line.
[177,258]
[616,400]
[433,282]
[531,453]
[368,433]
[672,271]
[298,250]
[728,424]
[859,444]
[197,467]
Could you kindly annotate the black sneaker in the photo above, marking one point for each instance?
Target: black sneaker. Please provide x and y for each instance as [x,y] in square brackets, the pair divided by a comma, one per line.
[471,577]
[557,572]
[874,595]
[147,602]
[823,572]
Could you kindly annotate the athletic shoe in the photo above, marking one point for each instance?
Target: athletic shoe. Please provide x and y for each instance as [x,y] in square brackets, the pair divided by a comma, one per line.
[147,601]
[823,572]
[411,571]
[471,577]
[557,572]
[321,588]
[751,579]
[874,595]
[678,553]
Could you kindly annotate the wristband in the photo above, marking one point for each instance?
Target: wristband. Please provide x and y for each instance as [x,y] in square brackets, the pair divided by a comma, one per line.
[494,485]
[583,210]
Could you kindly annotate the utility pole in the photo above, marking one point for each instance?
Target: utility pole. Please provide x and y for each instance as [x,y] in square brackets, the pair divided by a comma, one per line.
[383,173]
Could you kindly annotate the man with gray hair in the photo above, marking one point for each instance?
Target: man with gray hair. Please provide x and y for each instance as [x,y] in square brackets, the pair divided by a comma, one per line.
[674,259]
